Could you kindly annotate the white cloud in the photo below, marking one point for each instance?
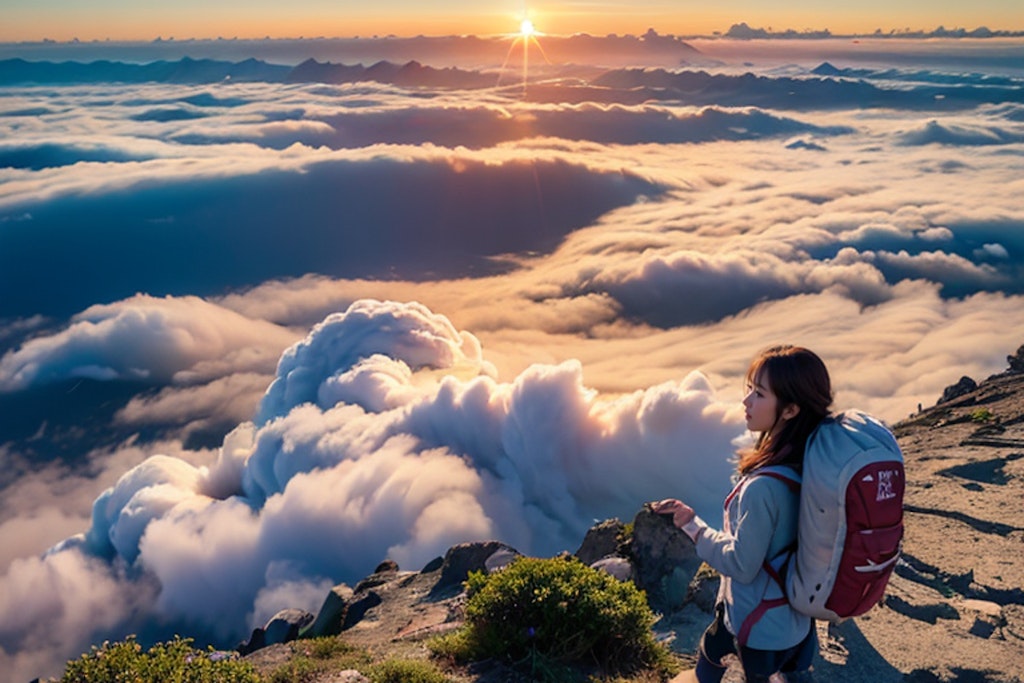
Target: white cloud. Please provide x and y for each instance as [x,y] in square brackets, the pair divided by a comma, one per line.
[147,339]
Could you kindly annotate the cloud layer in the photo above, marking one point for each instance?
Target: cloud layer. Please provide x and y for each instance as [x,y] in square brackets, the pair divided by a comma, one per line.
[256,337]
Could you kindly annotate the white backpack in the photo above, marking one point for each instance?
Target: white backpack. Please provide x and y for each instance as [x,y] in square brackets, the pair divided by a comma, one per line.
[851,518]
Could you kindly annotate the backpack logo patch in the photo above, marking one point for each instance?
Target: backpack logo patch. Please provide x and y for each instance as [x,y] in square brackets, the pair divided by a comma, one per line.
[886,491]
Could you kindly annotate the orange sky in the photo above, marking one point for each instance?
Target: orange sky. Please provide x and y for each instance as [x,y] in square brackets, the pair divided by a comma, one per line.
[26,20]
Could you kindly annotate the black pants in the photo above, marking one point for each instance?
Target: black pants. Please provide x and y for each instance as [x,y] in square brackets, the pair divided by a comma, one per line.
[758,665]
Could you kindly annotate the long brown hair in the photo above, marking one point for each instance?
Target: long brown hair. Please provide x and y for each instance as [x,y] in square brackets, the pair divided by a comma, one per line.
[797,376]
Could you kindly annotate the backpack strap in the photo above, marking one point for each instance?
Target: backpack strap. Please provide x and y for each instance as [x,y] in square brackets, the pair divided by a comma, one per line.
[784,473]
[756,615]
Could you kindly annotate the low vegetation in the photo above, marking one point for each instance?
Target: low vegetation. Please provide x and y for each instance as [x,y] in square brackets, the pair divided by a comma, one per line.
[176,660]
[553,620]
[557,620]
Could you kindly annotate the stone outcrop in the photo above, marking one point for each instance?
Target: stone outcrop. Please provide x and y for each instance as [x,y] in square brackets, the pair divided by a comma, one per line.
[601,541]
[1016,361]
[282,628]
[954,391]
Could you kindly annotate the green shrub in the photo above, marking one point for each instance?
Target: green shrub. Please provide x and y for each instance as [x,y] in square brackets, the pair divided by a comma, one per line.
[405,671]
[982,415]
[176,660]
[544,614]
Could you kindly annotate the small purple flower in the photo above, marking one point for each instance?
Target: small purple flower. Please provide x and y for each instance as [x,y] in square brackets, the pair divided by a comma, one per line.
[531,632]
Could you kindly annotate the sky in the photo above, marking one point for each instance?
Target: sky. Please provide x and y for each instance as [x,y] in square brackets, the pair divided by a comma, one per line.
[264,324]
[28,20]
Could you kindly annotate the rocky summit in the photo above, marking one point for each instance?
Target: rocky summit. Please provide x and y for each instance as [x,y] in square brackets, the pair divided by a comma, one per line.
[953,610]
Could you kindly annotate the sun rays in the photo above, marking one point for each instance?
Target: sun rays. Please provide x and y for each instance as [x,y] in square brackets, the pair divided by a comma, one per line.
[527,34]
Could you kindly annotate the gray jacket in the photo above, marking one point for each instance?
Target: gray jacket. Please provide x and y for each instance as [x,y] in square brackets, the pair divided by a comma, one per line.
[760,523]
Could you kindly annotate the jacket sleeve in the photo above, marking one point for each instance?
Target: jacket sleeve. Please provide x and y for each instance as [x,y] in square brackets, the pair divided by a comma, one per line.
[740,553]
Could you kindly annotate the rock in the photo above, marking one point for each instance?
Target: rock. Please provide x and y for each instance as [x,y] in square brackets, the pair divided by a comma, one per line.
[286,625]
[954,391]
[664,560]
[358,608]
[619,567]
[703,590]
[988,620]
[464,558]
[433,565]
[601,541]
[386,566]
[283,627]
[256,642]
[1016,361]
[500,559]
[386,571]
[331,615]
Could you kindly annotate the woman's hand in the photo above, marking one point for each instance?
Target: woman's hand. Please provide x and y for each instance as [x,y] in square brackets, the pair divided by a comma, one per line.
[682,513]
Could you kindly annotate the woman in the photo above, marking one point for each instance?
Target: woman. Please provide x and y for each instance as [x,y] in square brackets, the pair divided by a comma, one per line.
[788,394]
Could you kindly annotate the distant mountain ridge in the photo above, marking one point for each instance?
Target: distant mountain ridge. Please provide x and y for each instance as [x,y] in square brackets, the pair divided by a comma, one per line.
[19,71]
[826,86]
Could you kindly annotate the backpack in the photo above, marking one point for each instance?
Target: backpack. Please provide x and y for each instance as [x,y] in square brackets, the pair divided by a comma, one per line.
[850,522]
[851,518]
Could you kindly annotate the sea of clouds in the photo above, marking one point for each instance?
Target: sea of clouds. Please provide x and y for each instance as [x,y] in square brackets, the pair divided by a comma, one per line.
[257,337]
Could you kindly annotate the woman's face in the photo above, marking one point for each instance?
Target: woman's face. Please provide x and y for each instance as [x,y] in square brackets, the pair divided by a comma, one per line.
[762,405]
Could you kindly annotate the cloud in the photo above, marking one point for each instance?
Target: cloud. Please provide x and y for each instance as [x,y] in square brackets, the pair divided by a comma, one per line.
[686,288]
[145,339]
[437,214]
[66,601]
[475,126]
[47,155]
[802,92]
[934,132]
[210,407]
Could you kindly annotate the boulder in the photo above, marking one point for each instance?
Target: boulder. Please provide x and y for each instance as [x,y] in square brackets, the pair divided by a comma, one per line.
[385,572]
[286,625]
[358,608]
[601,541]
[1016,361]
[954,391]
[464,558]
[332,613]
[256,641]
[433,565]
[619,567]
[664,560]
[283,627]
[500,559]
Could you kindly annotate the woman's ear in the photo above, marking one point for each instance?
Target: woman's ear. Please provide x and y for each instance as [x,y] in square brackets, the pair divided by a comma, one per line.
[790,411]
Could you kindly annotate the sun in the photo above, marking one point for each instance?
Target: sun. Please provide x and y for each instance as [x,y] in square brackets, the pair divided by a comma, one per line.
[526,29]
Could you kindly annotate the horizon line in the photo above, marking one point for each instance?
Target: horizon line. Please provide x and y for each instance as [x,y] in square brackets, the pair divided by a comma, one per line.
[980,32]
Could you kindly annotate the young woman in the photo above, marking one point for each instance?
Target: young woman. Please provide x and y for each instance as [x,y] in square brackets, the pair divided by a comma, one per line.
[788,394]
